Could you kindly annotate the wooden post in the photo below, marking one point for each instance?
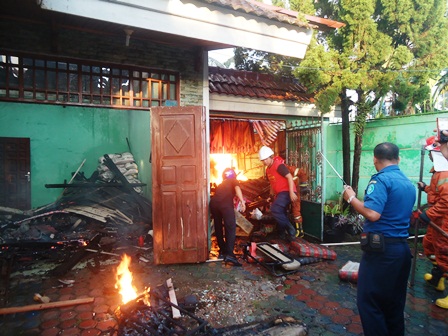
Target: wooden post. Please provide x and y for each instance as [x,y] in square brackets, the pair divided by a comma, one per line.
[173,299]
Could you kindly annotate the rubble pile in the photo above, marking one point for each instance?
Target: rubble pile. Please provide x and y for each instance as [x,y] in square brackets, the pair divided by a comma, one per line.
[89,215]
[126,165]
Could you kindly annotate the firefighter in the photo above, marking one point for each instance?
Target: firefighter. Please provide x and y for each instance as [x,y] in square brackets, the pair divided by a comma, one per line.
[436,191]
[438,214]
[283,188]
[301,175]
[222,209]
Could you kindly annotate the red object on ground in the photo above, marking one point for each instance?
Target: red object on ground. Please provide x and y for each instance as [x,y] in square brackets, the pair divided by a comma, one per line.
[349,272]
[141,241]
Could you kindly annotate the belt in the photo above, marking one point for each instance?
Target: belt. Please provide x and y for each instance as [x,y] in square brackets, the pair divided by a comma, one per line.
[394,240]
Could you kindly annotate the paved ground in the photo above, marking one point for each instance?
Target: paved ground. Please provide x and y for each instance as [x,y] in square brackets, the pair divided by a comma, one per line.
[314,295]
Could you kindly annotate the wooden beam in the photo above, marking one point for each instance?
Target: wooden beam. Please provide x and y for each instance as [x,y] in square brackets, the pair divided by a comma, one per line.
[41,306]
[173,299]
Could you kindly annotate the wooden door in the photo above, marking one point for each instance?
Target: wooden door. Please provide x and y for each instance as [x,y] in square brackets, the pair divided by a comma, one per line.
[15,190]
[179,179]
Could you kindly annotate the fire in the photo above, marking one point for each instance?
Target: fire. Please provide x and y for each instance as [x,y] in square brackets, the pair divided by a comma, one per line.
[219,162]
[124,280]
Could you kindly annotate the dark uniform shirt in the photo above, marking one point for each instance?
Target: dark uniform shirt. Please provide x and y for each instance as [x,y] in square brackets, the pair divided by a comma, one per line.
[393,195]
[225,192]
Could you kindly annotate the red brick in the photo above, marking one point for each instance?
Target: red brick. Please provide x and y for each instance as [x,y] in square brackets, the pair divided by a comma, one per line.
[85,315]
[341,319]
[290,282]
[67,324]
[67,315]
[66,297]
[51,291]
[355,328]
[103,316]
[292,291]
[96,292]
[346,312]
[70,332]
[49,324]
[106,325]
[332,305]
[100,300]
[308,291]
[315,304]
[327,311]
[51,314]
[90,332]
[50,332]
[88,324]
[84,307]
[101,309]
[320,298]
[301,297]
[66,291]
[84,291]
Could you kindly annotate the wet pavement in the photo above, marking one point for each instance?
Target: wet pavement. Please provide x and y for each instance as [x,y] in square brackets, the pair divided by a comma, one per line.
[315,295]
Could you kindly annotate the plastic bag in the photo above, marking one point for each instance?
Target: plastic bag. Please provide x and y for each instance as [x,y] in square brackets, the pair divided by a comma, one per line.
[256,214]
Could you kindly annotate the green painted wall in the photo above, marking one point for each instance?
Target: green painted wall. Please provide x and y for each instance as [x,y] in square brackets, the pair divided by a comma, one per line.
[62,137]
[408,132]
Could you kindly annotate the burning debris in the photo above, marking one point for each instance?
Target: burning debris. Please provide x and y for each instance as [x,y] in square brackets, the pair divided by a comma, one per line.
[90,216]
[156,312]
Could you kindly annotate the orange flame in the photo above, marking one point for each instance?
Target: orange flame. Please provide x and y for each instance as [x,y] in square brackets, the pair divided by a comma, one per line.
[219,162]
[124,281]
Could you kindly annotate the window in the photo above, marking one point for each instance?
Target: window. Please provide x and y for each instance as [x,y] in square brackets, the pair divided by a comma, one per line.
[46,80]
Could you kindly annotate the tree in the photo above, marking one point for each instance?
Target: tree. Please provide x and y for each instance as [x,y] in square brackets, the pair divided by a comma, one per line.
[381,49]
[439,88]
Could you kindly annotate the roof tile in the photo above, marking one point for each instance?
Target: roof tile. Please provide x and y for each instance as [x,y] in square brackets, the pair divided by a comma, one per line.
[256,85]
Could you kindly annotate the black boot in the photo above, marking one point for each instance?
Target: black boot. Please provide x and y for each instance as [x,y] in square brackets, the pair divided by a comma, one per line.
[232,260]
[436,279]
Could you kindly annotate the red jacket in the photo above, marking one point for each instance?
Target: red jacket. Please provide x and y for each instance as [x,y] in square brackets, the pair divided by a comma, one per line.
[278,182]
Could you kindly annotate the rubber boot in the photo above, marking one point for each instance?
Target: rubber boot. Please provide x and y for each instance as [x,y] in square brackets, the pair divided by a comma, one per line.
[442,303]
[436,279]
[299,228]
[428,276]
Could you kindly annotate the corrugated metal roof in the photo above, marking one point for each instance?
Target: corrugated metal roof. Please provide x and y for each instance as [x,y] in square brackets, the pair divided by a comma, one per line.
[277,13]
[257,8]
[256,85]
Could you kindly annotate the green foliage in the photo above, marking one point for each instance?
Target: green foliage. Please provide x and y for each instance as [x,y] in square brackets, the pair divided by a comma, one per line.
[302,6]
[333,208]
[260,61]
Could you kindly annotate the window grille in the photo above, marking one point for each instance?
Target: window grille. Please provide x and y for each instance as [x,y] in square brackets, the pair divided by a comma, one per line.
[51,80]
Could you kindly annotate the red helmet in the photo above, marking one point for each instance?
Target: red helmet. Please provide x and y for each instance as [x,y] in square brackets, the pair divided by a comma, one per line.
[228,173]
[431,145]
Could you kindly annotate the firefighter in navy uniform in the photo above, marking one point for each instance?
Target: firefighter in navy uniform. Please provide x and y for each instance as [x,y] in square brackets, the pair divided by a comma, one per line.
[386,261]
[222,209]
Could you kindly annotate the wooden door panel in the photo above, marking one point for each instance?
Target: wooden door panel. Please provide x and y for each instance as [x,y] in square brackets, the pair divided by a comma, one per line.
[179,185]
[15,190]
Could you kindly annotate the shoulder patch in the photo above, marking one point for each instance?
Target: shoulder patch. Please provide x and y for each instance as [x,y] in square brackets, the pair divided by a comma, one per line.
[370,189]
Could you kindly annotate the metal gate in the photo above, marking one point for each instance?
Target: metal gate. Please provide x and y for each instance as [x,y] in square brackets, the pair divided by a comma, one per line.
[304,142]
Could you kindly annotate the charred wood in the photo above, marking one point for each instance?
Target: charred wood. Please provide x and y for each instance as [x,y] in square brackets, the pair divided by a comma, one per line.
[73,259]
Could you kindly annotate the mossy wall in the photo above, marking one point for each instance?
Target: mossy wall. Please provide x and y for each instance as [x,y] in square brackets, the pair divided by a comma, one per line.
[407,132]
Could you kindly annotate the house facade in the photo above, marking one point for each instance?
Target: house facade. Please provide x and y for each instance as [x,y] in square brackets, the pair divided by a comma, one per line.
[80,79]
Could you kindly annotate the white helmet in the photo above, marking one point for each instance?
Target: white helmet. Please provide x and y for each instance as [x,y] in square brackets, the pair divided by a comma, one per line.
[265,152]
